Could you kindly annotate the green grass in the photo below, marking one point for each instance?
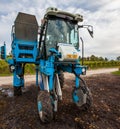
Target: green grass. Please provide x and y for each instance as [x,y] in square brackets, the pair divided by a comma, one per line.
[116,73]
[5,74]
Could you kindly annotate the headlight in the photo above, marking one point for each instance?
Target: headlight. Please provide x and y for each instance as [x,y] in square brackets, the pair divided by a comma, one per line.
[83,71]
[12,68]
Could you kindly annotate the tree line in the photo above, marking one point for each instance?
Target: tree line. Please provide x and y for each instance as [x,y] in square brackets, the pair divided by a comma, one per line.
[96,58]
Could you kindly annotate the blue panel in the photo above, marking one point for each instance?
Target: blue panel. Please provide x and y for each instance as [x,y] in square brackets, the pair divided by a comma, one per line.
[75,97]
[10,61]
[24,51]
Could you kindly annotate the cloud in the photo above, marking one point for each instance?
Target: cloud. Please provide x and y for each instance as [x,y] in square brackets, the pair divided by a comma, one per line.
[104,15]
[106,30]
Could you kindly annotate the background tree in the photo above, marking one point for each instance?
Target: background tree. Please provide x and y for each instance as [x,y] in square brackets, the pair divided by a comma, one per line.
[92,58]
[101,59]
[106,59]
[118,58]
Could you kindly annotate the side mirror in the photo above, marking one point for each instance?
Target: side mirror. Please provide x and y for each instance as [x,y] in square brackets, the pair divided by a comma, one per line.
[89,28]
[3,52]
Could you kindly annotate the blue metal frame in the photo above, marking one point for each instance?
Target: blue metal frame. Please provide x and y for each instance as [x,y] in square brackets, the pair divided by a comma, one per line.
[47,67]
[19,48]
[23,52]
[18,76]
[3,51]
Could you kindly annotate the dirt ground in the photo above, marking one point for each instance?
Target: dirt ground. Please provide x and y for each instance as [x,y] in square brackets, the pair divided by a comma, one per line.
[21,112]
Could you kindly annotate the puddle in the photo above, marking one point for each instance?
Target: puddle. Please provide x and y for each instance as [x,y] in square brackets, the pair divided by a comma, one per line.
[6,92]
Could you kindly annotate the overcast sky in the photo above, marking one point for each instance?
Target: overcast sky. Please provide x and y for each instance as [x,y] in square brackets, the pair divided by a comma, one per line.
[103,15]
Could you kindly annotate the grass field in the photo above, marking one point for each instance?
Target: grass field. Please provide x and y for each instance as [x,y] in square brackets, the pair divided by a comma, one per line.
[116,73]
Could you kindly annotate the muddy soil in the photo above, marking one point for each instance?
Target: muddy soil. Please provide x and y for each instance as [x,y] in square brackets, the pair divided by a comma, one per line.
[21,112]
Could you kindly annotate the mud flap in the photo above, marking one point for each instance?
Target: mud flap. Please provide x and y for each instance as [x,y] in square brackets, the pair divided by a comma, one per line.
[82,98]
[79,97]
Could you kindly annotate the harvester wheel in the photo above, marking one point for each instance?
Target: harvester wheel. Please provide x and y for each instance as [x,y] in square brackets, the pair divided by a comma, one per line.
[44,107]
[61,79]
[17,91]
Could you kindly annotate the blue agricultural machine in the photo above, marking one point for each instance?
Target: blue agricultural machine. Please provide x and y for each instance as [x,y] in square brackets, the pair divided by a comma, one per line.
[54,48]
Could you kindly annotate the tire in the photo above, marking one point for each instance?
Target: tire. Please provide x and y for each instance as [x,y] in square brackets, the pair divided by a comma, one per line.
[46,111]
[17,91]
[61,79]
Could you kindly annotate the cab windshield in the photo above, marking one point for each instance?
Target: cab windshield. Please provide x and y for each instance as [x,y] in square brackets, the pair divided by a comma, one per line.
[61,31]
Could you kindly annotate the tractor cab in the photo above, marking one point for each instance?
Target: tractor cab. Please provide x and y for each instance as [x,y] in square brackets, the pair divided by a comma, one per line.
[60,31]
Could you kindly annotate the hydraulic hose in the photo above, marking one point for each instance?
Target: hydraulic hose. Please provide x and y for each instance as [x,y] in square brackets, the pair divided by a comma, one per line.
[84,87]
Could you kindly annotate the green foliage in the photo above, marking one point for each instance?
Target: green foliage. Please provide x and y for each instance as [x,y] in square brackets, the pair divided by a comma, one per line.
[4,68]
[118,58]
[101,64]
[29,69]
[95,58]
[116,73]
